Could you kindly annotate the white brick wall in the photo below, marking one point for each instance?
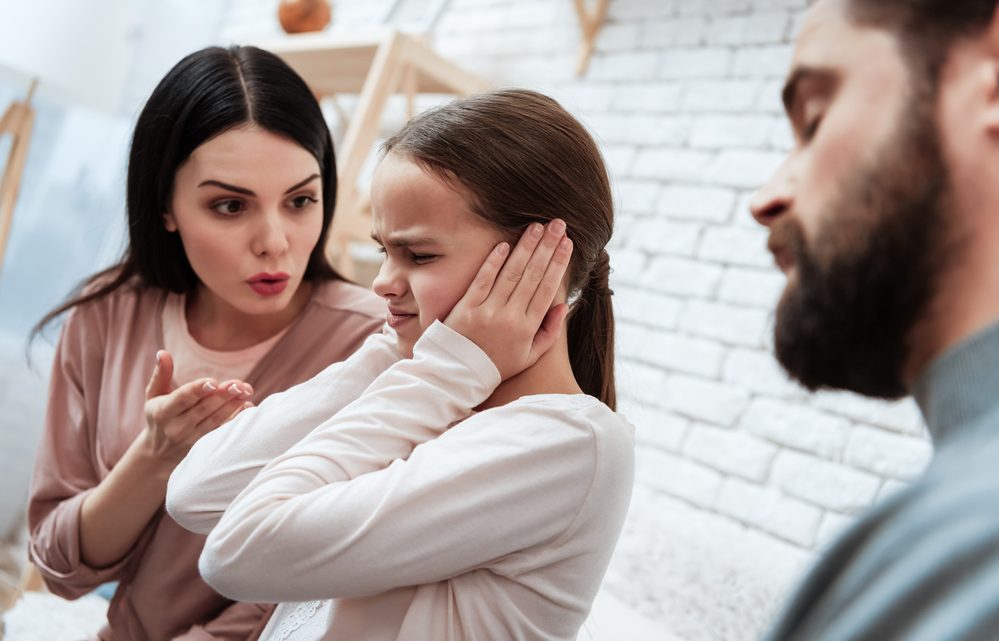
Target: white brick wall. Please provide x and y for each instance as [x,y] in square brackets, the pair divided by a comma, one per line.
[741,475]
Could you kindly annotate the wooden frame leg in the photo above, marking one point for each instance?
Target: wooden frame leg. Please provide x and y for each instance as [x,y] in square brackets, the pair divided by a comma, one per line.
[17,121]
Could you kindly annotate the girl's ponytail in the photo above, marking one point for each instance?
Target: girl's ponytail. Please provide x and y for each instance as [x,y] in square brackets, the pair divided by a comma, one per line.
[591,334]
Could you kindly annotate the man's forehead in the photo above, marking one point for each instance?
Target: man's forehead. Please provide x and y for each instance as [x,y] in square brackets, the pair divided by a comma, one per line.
[830,40]
[824,32]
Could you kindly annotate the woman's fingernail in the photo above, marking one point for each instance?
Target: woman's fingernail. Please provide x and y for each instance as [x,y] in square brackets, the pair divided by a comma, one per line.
[503,249]
[247,389]
[536,230]
[558,226]
[208,386]
[235,390]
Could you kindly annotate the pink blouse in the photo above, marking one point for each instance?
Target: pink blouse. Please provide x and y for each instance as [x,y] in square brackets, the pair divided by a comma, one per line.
[102,364]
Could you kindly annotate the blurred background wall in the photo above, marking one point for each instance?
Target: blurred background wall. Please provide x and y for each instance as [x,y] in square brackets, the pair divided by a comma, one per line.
[742,477]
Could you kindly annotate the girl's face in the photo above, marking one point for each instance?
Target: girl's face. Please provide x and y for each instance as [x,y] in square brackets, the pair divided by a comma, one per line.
[248,207]
[433,243]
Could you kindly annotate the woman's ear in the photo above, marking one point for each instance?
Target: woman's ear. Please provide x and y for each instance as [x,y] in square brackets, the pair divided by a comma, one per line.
[169,222]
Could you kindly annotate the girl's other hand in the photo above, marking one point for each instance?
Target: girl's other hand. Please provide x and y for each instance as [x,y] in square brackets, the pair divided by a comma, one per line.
[177,418]
[507,310]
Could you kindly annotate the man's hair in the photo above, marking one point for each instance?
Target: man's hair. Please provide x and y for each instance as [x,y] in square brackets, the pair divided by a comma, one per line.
[927,29]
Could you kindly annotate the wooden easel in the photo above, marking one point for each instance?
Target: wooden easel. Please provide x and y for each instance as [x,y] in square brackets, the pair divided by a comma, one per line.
[590,22]
[374,67]
[17,121]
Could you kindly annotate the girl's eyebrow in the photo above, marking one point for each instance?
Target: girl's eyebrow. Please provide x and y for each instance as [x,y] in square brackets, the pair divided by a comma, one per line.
[403,240]
[249,192]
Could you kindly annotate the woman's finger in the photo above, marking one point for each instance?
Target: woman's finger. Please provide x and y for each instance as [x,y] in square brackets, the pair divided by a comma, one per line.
[160,381]
[538,267]
[228,392]
[219,416]
[187,396]
[547,288]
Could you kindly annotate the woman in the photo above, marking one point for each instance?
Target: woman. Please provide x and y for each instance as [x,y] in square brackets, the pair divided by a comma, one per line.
[468,478]
[224,292]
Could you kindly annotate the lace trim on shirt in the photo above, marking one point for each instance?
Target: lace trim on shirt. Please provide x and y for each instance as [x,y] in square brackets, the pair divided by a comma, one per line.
[302,614]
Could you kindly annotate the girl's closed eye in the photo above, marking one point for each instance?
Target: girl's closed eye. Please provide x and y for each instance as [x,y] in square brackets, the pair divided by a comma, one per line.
[421,259]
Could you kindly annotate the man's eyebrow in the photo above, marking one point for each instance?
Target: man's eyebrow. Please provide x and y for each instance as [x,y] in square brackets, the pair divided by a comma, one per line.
[800,74]
[401,240]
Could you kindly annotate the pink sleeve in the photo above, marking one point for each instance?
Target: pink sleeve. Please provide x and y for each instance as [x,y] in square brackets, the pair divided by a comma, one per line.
[238,622]
[64,466]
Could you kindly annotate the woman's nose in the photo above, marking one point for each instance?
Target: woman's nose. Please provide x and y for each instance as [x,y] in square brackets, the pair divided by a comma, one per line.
[270,236]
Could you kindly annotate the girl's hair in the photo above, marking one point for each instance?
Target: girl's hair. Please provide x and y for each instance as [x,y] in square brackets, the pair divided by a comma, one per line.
[207,93]
[523,158]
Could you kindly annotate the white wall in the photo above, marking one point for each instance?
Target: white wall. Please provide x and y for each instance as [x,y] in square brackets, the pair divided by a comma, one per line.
[741,475]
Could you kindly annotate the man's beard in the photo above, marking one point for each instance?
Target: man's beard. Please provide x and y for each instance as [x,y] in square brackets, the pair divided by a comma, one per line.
[870,274]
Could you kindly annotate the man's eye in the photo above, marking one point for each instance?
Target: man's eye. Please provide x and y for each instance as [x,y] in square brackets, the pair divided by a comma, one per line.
[229,207]
[422,258]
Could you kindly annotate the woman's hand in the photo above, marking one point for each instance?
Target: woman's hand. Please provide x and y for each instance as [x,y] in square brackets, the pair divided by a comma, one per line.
[177,418]
[507,310]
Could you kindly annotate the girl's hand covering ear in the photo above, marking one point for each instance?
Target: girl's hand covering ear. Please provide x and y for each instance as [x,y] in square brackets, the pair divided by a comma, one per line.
[507,310]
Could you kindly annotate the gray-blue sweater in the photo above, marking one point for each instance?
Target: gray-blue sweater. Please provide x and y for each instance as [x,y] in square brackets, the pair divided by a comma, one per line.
[924,564]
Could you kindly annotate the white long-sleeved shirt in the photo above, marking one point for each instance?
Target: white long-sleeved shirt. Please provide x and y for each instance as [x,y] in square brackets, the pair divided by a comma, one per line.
[376,504]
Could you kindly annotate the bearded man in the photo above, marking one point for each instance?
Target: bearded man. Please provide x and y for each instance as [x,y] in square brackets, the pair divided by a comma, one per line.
[885,219]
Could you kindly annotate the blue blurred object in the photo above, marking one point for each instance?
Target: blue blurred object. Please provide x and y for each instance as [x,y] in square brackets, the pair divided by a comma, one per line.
[107,590]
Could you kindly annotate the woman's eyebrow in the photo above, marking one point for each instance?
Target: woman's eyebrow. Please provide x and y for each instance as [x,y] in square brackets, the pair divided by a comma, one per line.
[219,183]
[249,192]
[302,183]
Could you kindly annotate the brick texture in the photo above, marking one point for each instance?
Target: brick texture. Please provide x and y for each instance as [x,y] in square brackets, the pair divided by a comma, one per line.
[742,476]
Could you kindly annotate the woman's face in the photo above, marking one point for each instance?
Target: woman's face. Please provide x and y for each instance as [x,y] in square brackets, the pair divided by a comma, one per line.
[433,243]
[248,207]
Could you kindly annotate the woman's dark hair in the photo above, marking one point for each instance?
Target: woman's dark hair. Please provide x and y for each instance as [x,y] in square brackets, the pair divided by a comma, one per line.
[206,94]
[523,158]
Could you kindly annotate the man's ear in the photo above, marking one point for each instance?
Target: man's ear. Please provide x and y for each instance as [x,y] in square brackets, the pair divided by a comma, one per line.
[169,222]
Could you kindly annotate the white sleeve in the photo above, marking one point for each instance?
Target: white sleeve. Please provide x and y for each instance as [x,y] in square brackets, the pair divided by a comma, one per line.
[315,524]
[224,461]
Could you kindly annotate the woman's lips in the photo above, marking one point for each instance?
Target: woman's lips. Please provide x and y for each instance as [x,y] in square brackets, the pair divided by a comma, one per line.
[266,284]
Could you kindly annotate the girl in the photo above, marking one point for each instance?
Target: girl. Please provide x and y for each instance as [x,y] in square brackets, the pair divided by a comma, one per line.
[225,287]
[468,479]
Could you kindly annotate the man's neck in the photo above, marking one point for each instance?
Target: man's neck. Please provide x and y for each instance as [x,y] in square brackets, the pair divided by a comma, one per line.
[967,302]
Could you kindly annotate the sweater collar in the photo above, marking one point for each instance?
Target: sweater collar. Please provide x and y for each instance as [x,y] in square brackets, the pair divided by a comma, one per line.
[960,386]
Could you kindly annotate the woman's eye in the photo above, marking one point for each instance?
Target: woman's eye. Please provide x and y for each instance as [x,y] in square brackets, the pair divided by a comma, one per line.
[301,202]
[419,259]
[228,207]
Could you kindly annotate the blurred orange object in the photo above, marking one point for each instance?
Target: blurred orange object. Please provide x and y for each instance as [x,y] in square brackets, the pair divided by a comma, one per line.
[299,16]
